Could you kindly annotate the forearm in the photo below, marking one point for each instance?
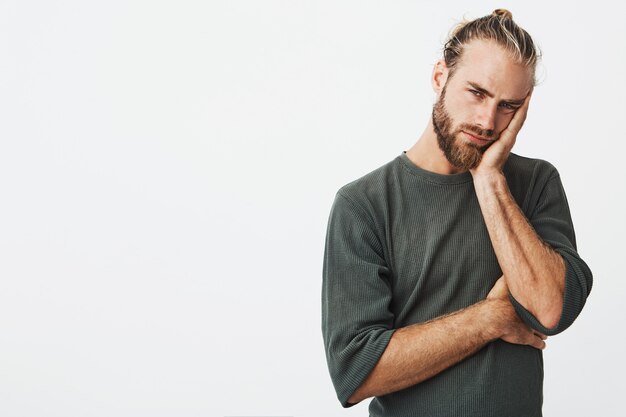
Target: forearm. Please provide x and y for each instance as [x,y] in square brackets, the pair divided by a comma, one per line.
[534,272]
[420,351]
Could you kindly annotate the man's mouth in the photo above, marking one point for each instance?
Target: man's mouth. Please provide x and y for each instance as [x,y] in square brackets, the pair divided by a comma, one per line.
[477,139]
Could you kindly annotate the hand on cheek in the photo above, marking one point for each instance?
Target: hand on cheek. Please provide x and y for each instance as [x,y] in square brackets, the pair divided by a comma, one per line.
[494,158]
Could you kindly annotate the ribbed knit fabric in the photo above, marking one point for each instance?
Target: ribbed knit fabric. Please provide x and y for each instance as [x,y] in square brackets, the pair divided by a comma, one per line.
[404,246]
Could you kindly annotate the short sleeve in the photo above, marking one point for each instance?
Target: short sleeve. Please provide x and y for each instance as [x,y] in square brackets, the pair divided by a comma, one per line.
[552,221]
[356,321]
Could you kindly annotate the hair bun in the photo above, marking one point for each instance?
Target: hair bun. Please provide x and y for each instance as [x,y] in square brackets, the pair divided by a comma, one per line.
[502,12]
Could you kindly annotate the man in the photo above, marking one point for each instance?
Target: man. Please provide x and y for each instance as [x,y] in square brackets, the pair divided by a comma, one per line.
[446,268]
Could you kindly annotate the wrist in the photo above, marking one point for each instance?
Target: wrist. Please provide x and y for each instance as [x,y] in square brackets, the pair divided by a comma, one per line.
[489,184]
[498,311]
[488,176]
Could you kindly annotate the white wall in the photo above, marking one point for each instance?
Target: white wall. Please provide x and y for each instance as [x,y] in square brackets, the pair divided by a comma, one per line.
[167,171]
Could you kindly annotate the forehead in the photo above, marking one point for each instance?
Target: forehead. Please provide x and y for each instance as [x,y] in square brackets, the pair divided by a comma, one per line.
[492,67]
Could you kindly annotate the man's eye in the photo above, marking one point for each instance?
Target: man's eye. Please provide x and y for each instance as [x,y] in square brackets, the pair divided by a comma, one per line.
[476,93]
[508,106]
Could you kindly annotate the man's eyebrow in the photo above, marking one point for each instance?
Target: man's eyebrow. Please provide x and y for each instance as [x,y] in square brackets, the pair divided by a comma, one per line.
[490,94]
[481,89]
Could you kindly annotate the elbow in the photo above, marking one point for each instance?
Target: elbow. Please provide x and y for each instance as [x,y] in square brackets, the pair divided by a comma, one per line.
[357,396]
[549,310]
[549,321]
[551,316]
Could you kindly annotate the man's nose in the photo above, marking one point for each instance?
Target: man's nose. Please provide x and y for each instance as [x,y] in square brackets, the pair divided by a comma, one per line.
[486,117]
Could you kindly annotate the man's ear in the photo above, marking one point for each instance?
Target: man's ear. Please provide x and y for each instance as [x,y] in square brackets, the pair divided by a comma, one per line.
[439,76]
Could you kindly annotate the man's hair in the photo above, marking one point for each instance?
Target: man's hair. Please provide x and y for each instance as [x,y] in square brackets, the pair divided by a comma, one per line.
[498,27]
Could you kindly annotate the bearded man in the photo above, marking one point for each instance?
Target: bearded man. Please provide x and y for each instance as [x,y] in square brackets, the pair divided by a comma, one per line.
[446,269]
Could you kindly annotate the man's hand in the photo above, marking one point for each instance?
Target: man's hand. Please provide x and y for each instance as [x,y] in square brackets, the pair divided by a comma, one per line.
[494,158]
[514,330]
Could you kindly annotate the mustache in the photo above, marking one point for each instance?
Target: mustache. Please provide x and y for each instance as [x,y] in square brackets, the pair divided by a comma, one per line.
[477,131]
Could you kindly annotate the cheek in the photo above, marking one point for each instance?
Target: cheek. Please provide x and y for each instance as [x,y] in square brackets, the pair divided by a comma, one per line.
[461,113]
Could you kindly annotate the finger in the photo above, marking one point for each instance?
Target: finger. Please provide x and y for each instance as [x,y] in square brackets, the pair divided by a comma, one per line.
[539,343]
[535,341]
[541,335]
[520,115]
[499,289]
[525,106]
[500,284]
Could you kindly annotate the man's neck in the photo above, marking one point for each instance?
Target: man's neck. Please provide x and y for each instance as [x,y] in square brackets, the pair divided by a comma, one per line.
[426,154]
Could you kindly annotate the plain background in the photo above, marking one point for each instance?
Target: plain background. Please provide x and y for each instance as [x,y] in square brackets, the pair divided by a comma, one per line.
[167,170]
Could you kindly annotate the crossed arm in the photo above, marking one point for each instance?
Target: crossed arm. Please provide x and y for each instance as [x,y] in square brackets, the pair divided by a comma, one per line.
[420,351]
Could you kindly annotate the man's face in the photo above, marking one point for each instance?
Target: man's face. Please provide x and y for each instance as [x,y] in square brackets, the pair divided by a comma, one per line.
[477,103]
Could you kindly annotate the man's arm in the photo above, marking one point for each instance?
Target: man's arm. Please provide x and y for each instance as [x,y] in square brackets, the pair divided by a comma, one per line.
[420,351]
[535,272]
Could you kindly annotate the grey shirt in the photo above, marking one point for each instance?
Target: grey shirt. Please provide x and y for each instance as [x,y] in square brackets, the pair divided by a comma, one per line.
[404,246]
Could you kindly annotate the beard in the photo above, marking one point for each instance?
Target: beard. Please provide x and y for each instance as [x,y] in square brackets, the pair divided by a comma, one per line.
[460,153]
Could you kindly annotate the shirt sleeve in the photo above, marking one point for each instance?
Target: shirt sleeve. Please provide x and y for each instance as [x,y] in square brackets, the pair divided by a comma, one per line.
[552,221]
[356,321]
